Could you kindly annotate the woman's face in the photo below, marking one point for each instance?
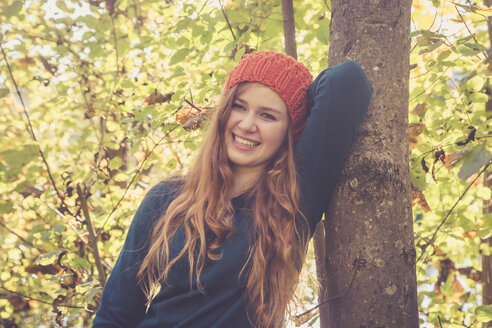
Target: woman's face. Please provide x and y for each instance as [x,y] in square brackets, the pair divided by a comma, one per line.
[256,127]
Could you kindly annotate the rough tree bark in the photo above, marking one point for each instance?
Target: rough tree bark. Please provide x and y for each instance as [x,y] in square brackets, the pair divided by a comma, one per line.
[487,206]
[368,227]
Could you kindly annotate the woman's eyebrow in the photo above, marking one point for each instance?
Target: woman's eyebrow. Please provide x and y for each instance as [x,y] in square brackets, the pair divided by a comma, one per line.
[270,109]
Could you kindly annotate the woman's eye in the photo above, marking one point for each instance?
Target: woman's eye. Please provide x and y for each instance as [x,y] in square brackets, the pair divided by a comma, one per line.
[269,117]
[237,106]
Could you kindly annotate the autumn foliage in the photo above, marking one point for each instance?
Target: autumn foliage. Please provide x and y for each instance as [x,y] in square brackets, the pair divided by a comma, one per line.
[102,99]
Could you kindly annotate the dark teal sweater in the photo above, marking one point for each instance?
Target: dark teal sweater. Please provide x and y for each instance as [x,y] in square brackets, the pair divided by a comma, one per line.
[338,100]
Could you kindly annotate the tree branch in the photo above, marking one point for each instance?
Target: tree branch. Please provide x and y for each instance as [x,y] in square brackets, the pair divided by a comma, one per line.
[33,135]
[133,179]
[468,29]
[359,263]
[83,193]
[115,40]
[327,7]
[432,240]
[227,19]
[18,236]
[66,220]
[41,301]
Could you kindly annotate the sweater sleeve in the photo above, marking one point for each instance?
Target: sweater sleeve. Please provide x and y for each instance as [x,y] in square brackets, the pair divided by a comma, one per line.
[122,302]
[338,100]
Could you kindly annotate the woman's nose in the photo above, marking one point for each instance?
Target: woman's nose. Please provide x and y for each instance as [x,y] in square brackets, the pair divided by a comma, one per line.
[247,122]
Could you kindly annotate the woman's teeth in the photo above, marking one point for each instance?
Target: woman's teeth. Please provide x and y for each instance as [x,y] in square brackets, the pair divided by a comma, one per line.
[245,142]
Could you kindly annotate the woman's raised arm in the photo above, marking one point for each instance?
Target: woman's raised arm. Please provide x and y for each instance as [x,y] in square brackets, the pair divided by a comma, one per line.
[338,100]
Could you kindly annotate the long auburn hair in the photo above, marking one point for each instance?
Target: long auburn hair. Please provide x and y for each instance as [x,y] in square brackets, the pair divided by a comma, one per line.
[203,207]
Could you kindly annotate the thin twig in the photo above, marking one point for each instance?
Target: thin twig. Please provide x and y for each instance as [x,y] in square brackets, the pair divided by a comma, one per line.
[357,268]
[227,19]
[83,193]
[439,318]
[28,243]
[431,241]
[67,220]
[462,100]
[31,131]
[133,180]
[192,105]
[442,146]
[466,25]
[327,7]
[115,39]
[421,93]
[41,301]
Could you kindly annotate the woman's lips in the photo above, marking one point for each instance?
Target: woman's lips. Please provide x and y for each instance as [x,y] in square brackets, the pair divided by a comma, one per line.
[244,143]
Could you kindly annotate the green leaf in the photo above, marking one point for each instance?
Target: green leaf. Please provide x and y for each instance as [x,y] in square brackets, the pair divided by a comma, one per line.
[127,84]
[171,164]
[475,84]
[479,97]
[431,47]
[91,293]
[423,41]
[476,46]
[467,51]
[4,92]
[6,207]
[473,161]
[77,262]
[484,192]
[443,55]
[483,313]
[63,6]
[121,177]
[48,258]
[430,34]
[89,20]
[447,289]
[447,63]
[62,50]
[466,8]
[115,163]
[96,50]
[123,47]
[206,37]
[59,228]
[14,8]
[179,56]
[16,159]
[323,31]
[465,39]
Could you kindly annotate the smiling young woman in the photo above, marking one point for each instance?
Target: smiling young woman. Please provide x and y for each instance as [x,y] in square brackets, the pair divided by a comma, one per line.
[254,132]
[223,246]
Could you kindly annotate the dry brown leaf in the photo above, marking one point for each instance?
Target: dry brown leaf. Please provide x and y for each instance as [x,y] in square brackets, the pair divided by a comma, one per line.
[418,198]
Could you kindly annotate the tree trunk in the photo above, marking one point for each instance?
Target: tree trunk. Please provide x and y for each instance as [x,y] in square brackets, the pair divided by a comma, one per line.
[487,206]
[369,227]
[289,28]
[319,257]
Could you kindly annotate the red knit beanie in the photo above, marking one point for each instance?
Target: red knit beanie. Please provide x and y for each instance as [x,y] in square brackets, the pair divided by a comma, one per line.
[289,78]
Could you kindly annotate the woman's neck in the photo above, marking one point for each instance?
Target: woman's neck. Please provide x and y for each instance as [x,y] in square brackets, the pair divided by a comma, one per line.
[244,178]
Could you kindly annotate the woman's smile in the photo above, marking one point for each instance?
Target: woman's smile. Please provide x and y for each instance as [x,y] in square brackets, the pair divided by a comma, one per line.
[244,143]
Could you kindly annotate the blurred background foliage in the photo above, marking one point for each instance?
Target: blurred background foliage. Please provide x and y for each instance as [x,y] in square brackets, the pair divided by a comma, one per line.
[100,100]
